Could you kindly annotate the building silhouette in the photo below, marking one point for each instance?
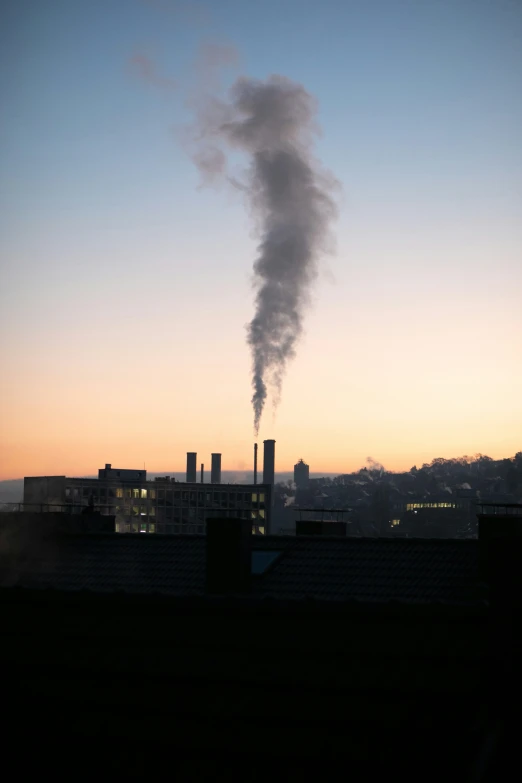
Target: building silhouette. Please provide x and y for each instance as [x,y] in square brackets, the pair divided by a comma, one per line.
[162,505]
[301,475]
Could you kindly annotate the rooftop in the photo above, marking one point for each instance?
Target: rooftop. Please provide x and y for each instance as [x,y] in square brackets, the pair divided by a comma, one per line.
[331,569]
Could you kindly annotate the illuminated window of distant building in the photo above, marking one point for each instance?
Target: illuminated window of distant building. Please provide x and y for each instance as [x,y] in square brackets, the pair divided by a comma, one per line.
[395,522]
[152,527]
[135,510]
[262,513]
[135,527]
[135,493]
[152,494]
[128,493]
[254,497]
[143,527]
[254,513]
[261,497]
[143,493]
[119,492]
[152,511]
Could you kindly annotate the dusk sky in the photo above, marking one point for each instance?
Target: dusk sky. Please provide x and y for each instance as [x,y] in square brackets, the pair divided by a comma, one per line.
[126,286]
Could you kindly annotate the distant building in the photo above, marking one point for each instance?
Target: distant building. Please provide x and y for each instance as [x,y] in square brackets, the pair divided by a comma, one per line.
[144,506]
[301,475]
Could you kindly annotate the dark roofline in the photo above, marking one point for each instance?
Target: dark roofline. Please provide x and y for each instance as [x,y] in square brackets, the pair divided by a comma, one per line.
[247,603]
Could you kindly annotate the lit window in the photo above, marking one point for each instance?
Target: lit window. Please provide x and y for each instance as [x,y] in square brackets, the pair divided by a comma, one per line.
[254,497]
[152,527]
[134,527]
[143,493]
[128,493]
[119,492]
[153,494]
[261,497]
[143,527]
[395,522]
[135,510]
[261,513]
[135,493]
[152,511]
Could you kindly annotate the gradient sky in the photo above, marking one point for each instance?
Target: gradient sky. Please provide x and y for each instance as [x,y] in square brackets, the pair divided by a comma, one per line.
[126,287]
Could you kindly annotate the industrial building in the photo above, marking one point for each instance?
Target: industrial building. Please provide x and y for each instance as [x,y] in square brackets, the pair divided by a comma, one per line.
[162,504]
[140,505]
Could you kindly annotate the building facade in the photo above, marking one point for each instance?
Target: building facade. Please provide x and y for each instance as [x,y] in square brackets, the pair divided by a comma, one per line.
[161,505]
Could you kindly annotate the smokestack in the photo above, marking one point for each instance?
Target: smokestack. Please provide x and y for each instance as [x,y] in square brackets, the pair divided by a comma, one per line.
[215,469]
[255,463]
[202,473]
[269,462]
[191,467]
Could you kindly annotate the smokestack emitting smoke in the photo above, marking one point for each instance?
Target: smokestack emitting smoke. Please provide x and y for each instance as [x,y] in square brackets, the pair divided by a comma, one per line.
[272,121]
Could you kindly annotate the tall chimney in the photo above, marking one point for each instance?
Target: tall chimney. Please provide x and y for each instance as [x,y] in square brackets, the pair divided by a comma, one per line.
[255,463]
[229,566]
[191,467]
[215,469]
[202,473]
[269,462]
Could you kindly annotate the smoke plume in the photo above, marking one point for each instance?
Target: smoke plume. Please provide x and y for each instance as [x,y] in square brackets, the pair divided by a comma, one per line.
[272,122]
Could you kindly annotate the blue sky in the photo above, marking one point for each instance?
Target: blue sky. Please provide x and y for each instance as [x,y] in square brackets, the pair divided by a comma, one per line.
[105,230]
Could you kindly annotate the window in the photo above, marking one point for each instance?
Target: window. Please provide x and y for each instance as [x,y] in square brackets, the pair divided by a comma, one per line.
[86,492]
[76,492]
[152,527]
[254,497]
[135,493]
[152,511]
[111,492]
[135,510]
[161,496]
[261,497]
[143,527]
[134,527]
[103,492]
[67,492]
[395,522]
[143,493]
[119,492]
[152,494]
[128,493]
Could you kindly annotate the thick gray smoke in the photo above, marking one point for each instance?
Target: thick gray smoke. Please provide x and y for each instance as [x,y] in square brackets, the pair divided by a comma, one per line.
[272,122]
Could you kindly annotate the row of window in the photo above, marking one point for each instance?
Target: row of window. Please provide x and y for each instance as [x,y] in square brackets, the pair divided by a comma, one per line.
[412,506]
[150,527]
[184,513]
[164,495]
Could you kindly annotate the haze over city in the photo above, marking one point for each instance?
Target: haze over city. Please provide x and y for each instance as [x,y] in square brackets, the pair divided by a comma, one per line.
[127,284]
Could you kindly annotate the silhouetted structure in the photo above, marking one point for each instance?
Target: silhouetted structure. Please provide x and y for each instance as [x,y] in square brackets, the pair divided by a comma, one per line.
[215,471]
[142,506]
[301,475]
[255,463]
[377,656]
[269,462]
[192,459]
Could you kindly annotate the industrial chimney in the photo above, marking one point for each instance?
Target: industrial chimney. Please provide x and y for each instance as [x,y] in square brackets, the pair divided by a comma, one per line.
[215,469]
[255,463]
[202,473]
[269,462]
[191,467]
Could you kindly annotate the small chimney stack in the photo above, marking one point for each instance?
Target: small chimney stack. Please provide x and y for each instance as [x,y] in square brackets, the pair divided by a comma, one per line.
[215,469]
[192,458]
[269,462]
[255,463]
[202,473]
[229,556]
